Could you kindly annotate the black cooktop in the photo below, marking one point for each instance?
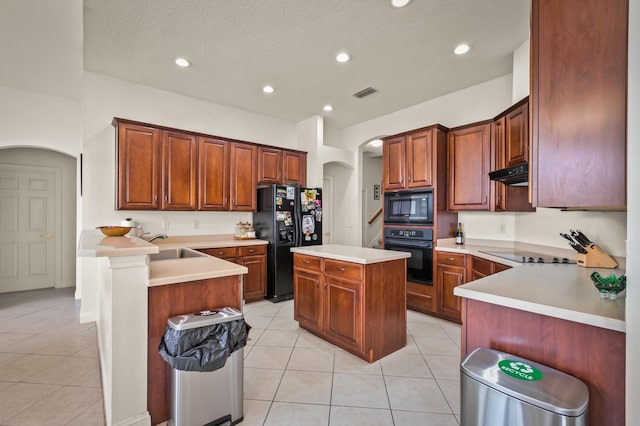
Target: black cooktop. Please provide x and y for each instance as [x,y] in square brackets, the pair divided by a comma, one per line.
[524,256]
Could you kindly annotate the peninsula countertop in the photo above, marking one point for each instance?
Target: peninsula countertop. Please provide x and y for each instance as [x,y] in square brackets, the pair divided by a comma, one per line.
[362,255]
[556,290]
[94,244]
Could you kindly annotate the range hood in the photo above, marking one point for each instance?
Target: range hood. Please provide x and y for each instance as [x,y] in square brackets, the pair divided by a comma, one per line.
[513,175]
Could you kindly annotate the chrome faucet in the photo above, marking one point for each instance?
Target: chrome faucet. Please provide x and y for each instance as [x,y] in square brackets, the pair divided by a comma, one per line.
[158,236]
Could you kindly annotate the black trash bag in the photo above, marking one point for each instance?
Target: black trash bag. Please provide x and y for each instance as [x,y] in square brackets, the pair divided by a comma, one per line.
[204,348]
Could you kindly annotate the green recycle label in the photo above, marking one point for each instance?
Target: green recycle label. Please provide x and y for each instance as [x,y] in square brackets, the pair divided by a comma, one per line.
[520,370]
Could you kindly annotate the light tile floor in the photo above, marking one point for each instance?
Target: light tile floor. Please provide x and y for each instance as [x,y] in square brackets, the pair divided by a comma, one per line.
[49,370]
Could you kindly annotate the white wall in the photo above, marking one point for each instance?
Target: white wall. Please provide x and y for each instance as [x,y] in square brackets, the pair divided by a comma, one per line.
[633,224]
[106,97]
[465,106]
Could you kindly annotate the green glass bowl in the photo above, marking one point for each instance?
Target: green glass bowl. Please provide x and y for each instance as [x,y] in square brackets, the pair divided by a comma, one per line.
[609,286]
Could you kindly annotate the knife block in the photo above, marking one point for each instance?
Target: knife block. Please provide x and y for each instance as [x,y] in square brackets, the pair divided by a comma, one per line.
[595,258]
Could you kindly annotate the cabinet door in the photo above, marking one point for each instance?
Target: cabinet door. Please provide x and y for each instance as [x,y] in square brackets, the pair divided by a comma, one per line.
[344,312]
[213,172]
[309,296]
[254,282]
[139,167]
[243,177]
[294,168]
[468,158]
[517,136]
[449,277]
[179,171]
[578,98]
[419,159]
[393,163]
[269,165]
[498,189]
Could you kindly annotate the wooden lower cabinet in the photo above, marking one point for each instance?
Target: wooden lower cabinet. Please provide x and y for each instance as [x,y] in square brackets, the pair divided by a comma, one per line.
[452,270]
[359,307]
[254,258]
[421,297]
[592,354]
[166,301]
[255,282]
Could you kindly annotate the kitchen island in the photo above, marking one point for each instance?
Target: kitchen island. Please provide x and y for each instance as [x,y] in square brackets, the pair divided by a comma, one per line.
[553,314]
[353,297]
[134,299]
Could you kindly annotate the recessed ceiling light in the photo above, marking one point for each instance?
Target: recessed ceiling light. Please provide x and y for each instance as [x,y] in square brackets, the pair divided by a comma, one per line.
[267,89]
[342,57]
[182,62]
[400,3]
[327,108]
[461,49]
[376,142]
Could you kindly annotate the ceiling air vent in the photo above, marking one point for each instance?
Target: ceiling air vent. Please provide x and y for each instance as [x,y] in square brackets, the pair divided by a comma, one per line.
[365,92]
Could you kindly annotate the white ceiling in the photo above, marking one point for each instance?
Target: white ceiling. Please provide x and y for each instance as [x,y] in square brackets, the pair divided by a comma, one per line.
[238,46]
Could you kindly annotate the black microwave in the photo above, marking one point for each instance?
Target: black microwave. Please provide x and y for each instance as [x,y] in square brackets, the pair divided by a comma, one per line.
[409,207]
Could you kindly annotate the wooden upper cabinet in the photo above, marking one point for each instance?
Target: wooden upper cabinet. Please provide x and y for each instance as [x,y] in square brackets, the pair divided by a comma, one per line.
[179,171]
[281,166]
[139,164]
[578,98]
[408,161]
[394,155]
[294,168]
[213,174]
[419,159]
[468,152]
[243,177]
[517,136]
[509,147]
[269,165]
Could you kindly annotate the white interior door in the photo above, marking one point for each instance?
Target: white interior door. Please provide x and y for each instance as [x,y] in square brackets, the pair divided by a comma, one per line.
[27,228]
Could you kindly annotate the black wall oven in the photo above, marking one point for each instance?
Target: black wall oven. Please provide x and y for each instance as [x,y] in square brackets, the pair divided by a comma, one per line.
[408,207]
[417,242]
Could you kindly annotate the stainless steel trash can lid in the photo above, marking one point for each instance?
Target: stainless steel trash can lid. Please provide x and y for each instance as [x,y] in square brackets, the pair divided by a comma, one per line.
[528,381]
[204,318]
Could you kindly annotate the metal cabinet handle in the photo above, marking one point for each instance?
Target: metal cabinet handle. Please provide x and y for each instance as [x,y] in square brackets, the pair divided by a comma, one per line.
[341,269]
[451,259]
[306,262]
[252,251]
[220,253]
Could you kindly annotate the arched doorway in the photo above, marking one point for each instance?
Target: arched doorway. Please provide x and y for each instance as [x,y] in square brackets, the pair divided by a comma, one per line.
[37,219]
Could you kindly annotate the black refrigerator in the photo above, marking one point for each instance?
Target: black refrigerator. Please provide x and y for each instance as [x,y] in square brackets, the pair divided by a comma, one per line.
[287,216]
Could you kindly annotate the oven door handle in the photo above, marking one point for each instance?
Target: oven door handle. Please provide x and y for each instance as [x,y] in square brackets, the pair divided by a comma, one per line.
[408,243]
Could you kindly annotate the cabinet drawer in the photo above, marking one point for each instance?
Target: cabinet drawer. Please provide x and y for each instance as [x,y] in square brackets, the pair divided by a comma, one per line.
[222,252]
[311,263]
[482,266]
[344,270]
[453,259]
[252,250]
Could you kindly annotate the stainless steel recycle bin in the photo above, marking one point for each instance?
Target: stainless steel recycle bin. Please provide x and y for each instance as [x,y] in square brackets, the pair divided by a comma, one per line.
[501,389]
[207,397]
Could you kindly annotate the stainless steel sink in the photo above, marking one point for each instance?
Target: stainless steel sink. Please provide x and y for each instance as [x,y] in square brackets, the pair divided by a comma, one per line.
[179,253]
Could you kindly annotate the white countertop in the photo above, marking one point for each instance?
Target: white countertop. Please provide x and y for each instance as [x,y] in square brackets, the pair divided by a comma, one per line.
[173,271]
[94,243]
[362,255]
[560,291]
[206,241]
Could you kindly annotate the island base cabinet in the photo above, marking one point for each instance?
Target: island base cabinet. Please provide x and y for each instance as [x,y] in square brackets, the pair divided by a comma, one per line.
[309,304]
[344,313]
[594,355]
[360,308]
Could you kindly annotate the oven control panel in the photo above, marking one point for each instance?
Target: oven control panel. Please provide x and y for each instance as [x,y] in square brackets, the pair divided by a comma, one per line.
[413,234]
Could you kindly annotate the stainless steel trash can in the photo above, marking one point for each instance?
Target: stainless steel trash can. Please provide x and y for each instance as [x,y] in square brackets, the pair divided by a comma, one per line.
[501,389]
[207,398]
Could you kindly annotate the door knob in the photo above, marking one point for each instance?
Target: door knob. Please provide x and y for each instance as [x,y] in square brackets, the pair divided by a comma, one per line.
[46,235]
